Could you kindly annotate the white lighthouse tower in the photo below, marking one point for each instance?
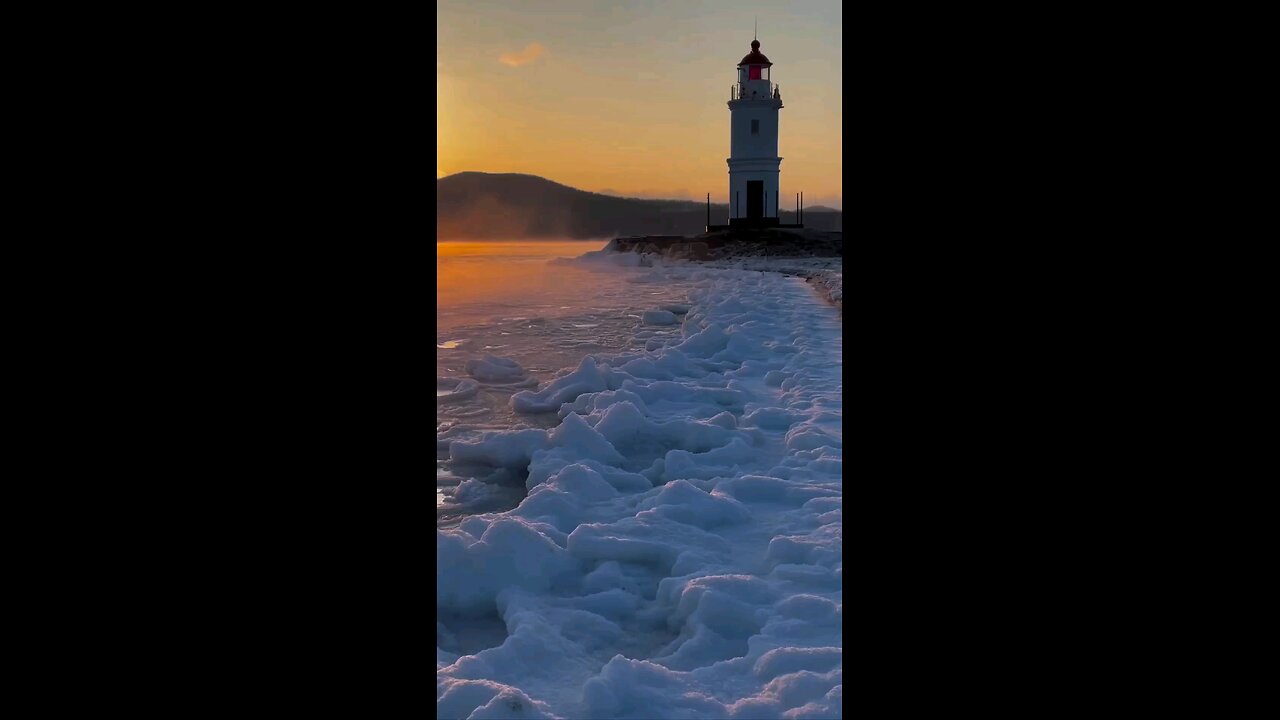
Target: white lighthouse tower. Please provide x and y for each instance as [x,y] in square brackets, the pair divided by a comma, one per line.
[753,145]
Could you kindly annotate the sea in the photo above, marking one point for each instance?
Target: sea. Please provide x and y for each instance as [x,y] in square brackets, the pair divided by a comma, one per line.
[531,303]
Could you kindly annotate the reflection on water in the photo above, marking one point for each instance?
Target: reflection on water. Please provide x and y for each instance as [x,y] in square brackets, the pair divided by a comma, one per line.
[477,281]
[505,299]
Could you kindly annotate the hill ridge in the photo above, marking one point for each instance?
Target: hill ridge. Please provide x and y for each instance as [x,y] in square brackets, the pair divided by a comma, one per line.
[473,204]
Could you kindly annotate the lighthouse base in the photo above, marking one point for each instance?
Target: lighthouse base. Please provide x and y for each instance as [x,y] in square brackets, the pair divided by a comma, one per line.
[754,224]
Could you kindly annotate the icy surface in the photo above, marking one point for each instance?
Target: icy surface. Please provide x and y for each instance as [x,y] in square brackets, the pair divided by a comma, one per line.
[454,389]
[509,317]
[659,317]
[826,274]
[493,369]
[678,552]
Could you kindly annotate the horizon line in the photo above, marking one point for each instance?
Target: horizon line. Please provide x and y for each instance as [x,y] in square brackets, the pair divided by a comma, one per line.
[608,192]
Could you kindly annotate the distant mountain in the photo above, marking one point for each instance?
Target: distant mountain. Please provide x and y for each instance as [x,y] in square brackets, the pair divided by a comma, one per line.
[474,205]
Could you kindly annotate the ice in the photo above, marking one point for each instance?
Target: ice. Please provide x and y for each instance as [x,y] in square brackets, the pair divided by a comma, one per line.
[454,389]
[826,274]
[499,449]
[585,441]
[587,378]
[659,317]
[678,552]
[504,299]
[493,369]
[682,502]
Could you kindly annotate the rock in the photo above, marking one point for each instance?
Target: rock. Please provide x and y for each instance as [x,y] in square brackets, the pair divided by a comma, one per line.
[688,251]
[737,243]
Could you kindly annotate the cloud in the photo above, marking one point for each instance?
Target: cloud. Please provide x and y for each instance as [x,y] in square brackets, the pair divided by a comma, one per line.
[531,52]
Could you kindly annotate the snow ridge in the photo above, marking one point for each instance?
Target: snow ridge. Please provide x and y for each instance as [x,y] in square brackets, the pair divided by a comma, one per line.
[679,550]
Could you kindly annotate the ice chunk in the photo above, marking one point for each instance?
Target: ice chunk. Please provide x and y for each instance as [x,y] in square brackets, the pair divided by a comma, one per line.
[685,503]
[509,450]
[706,342]
[512,704]
[454,389]
[492,368]
[587,378]
[770,418]
[658,317]
[510,554]
[584,441]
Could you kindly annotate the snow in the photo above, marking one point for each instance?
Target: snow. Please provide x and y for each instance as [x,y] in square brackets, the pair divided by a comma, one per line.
[826,274]
[678,553]
[587,378]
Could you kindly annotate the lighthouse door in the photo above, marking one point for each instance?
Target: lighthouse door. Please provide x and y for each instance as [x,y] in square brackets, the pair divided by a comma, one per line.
[755,198]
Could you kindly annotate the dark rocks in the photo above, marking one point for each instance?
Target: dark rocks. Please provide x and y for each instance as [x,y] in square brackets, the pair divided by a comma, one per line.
[737,243]
[688,251]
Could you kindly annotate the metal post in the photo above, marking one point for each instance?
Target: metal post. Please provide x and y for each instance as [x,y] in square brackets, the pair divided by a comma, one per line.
[708,209]
[801,207]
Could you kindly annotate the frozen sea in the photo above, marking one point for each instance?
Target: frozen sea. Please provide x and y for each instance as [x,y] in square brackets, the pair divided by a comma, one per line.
[639,488]
[514,300]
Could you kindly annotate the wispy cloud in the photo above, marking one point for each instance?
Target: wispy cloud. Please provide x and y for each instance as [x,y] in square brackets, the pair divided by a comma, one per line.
[531,52]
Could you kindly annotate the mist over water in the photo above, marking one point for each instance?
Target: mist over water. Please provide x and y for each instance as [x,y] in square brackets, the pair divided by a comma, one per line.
[519,301]
[480,281]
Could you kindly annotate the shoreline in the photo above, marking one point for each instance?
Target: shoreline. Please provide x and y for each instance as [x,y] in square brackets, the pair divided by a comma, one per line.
[826,281]
[816,256]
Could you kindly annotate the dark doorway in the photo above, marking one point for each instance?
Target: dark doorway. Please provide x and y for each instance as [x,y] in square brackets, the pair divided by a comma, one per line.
[755,198]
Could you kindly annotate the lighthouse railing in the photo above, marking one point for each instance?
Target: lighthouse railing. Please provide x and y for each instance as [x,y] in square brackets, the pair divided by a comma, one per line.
[738,92]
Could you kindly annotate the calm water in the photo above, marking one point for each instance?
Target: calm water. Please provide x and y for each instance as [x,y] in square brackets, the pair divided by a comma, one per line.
[509,299]
[478,282]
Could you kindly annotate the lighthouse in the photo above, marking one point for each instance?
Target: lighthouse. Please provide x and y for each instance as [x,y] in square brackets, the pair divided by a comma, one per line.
[754,102]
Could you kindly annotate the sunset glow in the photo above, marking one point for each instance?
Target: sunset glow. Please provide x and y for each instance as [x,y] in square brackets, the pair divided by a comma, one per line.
[630,98]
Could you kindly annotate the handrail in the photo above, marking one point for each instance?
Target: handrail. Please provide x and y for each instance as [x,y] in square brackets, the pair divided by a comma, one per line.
[735,92]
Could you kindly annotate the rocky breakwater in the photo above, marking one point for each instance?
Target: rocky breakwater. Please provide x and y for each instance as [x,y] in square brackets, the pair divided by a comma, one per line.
[830,284]
[814,255]
[735,243]
[670,247]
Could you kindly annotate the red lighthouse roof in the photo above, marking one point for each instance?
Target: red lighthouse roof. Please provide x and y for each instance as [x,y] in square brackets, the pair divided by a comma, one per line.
[756,57]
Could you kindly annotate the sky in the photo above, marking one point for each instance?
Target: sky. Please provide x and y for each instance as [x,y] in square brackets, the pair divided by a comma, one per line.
[629,97]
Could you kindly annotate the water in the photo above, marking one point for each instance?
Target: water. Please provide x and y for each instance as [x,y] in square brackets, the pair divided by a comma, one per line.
[510,300]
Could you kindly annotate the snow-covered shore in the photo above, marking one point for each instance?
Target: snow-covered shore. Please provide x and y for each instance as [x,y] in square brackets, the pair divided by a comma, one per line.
[679,551]
[826,274]
[815,256]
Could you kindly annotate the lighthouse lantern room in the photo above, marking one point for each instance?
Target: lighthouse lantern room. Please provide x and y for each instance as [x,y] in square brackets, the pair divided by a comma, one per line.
[753,145]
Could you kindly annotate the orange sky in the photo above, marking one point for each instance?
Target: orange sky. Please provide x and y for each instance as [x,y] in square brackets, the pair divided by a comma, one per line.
[629,97]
